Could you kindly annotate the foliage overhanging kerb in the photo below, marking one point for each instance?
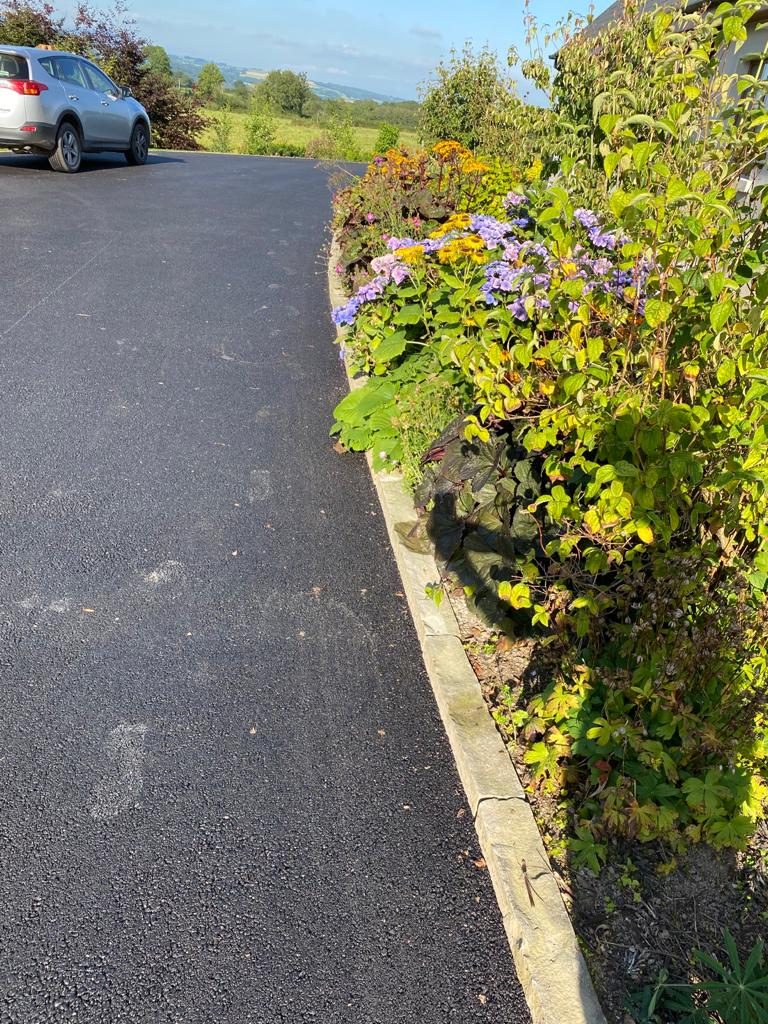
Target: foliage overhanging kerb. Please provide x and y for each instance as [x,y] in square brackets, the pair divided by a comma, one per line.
[614,368]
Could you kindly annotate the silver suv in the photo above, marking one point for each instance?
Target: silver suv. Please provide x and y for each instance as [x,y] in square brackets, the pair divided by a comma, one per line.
[62,105]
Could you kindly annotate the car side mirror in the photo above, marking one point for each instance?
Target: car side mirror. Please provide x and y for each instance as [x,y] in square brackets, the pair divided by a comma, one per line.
[126,92]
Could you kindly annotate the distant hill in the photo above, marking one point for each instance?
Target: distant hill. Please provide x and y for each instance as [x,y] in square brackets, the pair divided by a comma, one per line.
[325,90]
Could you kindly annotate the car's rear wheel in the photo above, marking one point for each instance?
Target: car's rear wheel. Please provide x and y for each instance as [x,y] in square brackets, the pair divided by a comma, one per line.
[68,154]
[139,150]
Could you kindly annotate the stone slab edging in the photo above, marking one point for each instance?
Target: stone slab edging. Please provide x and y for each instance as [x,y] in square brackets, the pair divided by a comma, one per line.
[549,963]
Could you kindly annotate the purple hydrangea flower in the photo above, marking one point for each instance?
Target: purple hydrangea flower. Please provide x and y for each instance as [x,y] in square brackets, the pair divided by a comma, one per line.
[586,218]
[512,200]
[518,310]
[500,276]
[492,231]
[389,267]
[401,243]
[344,316]
[602,239]
[537,248]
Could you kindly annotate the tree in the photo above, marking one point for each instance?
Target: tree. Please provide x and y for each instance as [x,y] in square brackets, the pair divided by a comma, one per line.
[210,81]
[285,91]
[469,90]
[158,61]
[29,24]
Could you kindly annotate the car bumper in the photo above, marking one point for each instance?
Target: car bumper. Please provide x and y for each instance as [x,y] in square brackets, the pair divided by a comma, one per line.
[37,136]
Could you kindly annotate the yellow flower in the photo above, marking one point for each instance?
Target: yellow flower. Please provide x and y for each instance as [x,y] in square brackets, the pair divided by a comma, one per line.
[448,149]
[410,254]
[472,166]
[470,248]
[534,171]
[458,222]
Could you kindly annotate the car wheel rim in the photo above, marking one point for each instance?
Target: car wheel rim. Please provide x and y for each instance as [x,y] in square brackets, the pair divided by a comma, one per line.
[70,149]
[141,145]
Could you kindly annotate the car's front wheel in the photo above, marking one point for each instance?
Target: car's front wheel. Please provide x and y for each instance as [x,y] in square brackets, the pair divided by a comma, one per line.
[68,154]
[139,150]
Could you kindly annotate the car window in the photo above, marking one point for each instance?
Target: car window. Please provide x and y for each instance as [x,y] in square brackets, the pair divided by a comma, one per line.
[69,70]
[13,67]
[98,81]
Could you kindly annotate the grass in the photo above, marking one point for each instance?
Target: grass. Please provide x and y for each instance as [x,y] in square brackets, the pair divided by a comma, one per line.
[296,133]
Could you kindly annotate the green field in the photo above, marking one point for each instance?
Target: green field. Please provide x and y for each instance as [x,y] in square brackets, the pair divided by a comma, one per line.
[296,133]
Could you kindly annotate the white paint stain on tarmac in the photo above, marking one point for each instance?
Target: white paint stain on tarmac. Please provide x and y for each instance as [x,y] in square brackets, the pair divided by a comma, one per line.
[169,572]
[260,485]
[123,780]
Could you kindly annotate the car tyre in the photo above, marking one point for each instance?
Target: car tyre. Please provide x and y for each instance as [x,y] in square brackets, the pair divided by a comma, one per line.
[139,149]
[68,154]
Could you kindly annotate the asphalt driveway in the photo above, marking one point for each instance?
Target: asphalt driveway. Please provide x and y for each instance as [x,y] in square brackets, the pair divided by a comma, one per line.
[226,796]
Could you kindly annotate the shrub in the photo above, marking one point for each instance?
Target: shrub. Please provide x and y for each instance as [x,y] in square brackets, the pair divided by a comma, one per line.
[321,147]
[388,138]
[344,142]
[608,486]
[259,131]
[468,90]
[221,132]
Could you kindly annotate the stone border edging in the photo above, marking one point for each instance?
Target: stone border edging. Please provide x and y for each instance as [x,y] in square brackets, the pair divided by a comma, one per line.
[549,963]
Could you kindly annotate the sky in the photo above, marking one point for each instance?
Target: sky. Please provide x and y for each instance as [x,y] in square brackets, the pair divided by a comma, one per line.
[388,47]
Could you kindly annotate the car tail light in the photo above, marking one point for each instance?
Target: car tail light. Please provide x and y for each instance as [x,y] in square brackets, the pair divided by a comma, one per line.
[22,86]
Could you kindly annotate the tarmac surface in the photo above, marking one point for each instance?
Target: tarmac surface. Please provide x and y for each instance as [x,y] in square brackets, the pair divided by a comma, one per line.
[226,795]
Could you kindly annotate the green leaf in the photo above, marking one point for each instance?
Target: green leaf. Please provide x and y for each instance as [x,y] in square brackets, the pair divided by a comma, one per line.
[719,313]
[644,532]
[641,151]
[411,314]
[594,349]
[392,347]
[657,312]
[574,383]
[610,163]
[716,283]
[733,29]
[726,371]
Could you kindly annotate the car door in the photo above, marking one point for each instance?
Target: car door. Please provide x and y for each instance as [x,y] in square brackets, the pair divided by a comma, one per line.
[86,101]
[116,117]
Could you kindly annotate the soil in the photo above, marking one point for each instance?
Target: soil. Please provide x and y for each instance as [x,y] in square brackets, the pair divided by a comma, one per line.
[646,911]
